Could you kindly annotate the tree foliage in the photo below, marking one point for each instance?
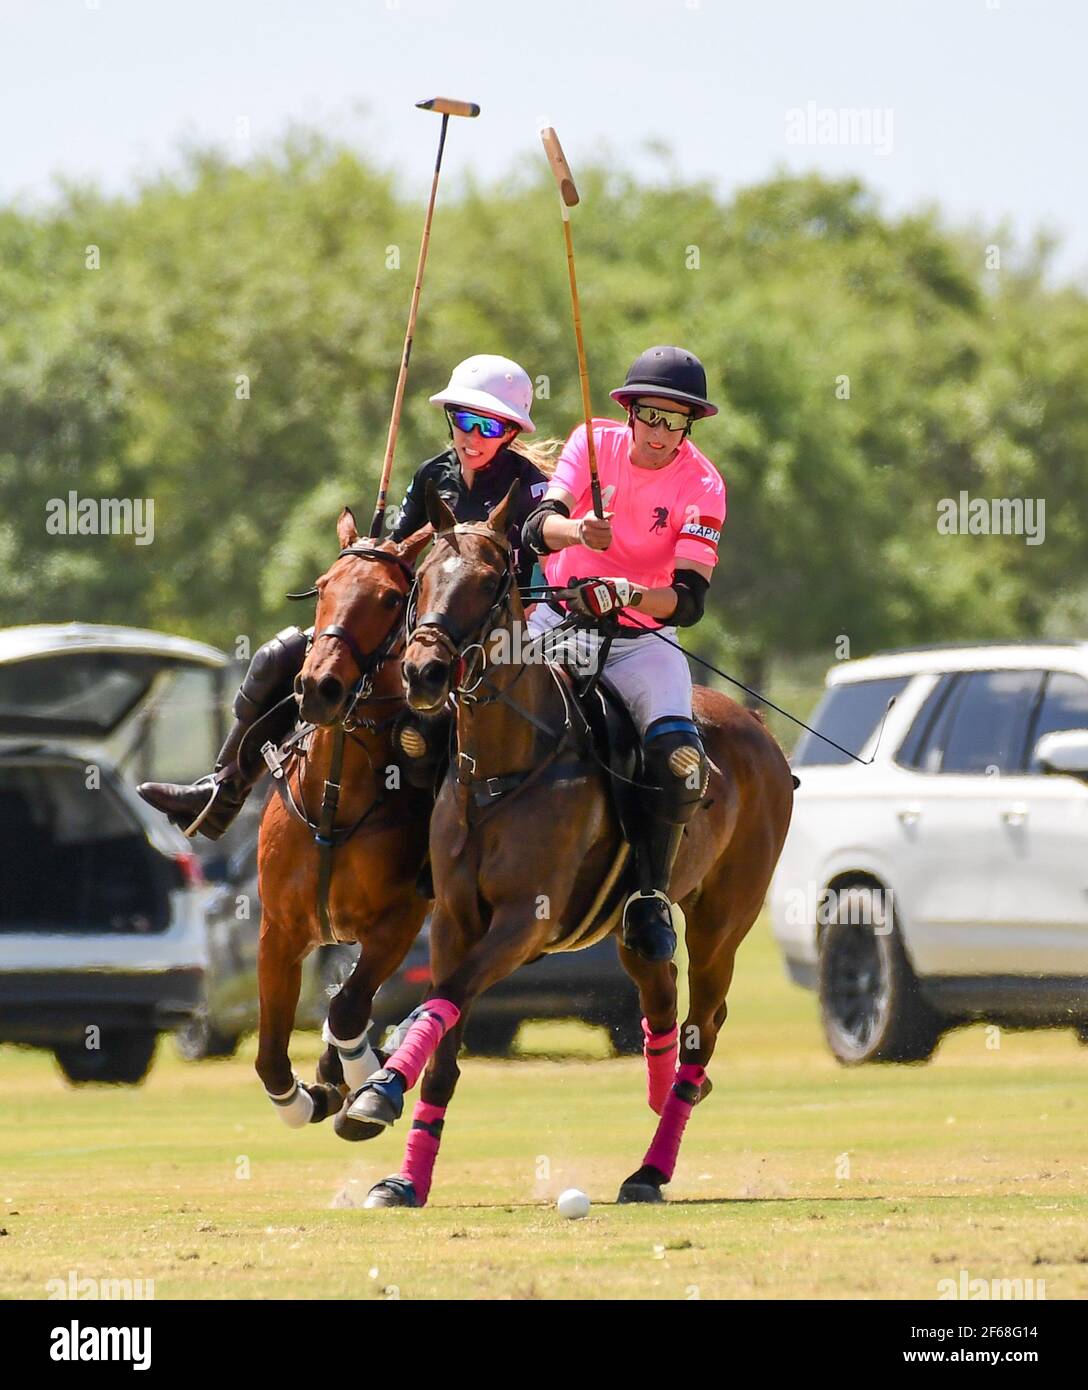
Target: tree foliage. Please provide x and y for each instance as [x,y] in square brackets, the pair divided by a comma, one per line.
[234,355]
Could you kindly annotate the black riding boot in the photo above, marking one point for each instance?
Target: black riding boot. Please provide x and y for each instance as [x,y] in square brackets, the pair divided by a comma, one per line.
[423,745]
[675,769]
[210,804]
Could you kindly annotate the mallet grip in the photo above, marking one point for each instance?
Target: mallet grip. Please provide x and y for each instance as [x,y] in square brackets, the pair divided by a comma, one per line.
[560,168]
[449,107]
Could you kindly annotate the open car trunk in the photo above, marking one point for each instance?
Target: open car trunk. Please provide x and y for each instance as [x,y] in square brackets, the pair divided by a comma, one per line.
[73,857]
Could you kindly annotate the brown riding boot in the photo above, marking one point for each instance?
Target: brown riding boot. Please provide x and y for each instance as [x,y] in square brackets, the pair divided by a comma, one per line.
[210,804]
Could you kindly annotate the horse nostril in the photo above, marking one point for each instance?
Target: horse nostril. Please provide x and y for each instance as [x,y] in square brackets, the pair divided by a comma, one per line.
[433,673]
[299,687]
[330,689]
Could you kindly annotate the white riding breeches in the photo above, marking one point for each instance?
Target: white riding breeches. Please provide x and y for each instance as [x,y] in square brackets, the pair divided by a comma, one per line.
[651,677]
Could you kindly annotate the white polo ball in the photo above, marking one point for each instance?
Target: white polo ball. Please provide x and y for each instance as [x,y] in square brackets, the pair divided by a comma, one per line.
[573,1204]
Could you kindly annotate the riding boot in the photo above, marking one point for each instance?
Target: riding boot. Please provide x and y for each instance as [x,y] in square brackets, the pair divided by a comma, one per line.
[210,804]
[675,769]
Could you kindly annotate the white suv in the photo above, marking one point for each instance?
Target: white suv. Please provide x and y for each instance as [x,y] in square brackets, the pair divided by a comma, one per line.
[102,905]
[948,881]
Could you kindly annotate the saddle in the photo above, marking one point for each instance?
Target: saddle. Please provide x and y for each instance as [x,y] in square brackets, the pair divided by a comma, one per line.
[617,745]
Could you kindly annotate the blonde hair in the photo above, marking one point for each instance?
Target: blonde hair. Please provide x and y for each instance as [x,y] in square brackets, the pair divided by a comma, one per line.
[543,453]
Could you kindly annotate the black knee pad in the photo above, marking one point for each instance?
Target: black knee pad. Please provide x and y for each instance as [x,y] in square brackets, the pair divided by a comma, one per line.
[422,747]
[271,673]
[676,767]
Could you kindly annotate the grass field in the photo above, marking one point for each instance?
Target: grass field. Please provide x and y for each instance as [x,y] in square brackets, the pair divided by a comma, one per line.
[797,1178]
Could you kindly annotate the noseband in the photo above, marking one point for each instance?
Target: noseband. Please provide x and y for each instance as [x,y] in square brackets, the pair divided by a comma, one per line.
[367,664]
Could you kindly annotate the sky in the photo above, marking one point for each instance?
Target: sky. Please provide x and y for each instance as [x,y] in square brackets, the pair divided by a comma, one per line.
[976,105]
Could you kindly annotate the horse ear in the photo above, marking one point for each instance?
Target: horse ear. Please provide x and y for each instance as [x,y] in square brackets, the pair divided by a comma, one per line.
[410,547]
[498,520]
[439,513]
[347,533]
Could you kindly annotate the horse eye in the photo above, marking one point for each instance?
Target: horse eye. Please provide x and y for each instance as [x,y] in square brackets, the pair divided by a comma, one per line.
[391,599]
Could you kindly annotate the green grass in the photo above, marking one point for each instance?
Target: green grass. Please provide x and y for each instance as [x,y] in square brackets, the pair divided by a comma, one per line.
[977,1161]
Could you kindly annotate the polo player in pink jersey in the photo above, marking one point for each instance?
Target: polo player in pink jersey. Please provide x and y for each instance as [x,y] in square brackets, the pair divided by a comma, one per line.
[653,552]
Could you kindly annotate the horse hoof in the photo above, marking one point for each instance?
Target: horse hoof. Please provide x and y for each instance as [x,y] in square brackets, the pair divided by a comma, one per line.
[639,1192]
[327,1101]
[392,1192]
[349,1128]
[378,1104]
[644,1186]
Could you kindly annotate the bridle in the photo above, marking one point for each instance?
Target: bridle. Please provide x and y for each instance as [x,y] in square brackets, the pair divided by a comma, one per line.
[457,643]
[368,664]
[327,835]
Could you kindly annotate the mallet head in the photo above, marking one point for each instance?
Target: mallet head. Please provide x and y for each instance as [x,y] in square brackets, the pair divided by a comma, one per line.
[449,107]
[560,168]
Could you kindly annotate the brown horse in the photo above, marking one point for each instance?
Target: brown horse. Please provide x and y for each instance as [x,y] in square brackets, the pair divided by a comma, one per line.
[524,834]
[350,688]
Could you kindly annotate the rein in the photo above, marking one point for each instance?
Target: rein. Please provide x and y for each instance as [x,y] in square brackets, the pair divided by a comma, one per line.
[486,790]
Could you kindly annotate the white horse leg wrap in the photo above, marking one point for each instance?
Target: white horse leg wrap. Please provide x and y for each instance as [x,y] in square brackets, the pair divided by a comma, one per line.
[357,1057]
[295,1106]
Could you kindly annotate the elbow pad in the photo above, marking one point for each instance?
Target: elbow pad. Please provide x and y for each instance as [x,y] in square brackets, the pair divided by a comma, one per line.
[690,596]
[532,528]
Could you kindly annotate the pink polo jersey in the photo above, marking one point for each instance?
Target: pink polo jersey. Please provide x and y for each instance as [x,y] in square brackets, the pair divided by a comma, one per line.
[660,515]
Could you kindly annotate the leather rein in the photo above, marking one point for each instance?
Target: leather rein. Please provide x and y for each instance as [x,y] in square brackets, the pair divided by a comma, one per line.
[487,790]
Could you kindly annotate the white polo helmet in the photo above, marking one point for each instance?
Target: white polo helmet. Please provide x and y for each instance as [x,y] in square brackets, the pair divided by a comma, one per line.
[494,386]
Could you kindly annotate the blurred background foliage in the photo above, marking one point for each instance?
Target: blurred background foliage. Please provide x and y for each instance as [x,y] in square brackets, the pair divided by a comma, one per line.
[121,382]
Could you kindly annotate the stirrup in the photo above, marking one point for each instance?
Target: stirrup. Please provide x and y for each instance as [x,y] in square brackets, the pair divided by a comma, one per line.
[215,784]
[676,912]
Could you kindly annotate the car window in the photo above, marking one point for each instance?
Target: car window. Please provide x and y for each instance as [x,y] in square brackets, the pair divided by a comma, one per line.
[182,735]
[1064,706]
[849,714]
[912,751]
[987,724]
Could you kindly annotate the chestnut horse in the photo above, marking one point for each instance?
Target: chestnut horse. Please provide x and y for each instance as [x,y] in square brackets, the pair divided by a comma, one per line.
[350,688]
[518,877]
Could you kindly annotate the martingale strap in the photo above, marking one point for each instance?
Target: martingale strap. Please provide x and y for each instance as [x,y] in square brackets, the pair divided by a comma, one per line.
[324,838]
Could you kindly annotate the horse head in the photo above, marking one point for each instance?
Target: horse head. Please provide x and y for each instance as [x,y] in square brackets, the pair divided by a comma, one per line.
[461,588]
[359,621]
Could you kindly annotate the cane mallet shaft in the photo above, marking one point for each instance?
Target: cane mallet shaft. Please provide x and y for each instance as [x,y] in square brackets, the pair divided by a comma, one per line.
[446,107]
[568,197]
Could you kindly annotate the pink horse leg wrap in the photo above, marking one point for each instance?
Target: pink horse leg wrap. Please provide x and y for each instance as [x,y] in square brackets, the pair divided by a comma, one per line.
[660,1051]
[436,1018]
[674,1116]
[422,1148]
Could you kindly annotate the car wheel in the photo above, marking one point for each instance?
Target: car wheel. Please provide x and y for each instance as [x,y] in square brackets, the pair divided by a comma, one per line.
[198,1040]
[626,1035]
[870,1002]
[491,1037]
[122,1057]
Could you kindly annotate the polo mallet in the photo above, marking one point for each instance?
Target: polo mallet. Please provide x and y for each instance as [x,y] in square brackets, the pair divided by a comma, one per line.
[568,197]
[448,107]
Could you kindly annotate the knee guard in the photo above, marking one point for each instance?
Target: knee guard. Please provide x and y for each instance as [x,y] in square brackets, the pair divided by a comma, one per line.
[423,747]
[271,674]
[676,769]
